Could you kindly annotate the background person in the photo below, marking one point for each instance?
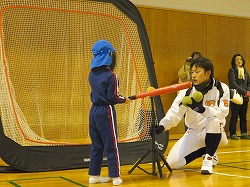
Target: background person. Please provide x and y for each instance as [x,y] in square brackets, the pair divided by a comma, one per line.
[238,79]
[184,72]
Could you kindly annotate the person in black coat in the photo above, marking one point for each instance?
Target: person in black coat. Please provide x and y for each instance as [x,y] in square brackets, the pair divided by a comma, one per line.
[238,79]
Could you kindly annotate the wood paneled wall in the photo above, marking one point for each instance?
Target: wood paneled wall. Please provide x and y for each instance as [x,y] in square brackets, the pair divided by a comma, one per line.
[174,35]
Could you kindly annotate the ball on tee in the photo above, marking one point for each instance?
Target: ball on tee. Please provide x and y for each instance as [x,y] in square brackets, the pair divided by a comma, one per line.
[187,100]
[197,96]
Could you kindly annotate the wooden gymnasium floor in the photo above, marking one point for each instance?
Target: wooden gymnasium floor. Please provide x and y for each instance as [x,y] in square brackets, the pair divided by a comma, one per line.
[233,170]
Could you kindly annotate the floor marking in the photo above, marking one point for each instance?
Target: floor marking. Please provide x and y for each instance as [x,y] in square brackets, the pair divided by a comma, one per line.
[71,181]
[224,174]
[13,182]
[229,152]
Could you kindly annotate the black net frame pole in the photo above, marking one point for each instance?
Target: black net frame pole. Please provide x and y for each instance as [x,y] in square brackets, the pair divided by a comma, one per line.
[156,154]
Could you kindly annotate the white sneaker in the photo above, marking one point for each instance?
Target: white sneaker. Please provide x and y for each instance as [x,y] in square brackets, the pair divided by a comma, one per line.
[117,181]
[215,159]
[207,165]
[98,179]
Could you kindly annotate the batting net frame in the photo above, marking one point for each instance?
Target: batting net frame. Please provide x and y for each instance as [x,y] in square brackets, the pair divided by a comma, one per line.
[45,58]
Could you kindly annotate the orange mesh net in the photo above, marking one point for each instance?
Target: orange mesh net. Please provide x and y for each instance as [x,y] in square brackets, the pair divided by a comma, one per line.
[45,62]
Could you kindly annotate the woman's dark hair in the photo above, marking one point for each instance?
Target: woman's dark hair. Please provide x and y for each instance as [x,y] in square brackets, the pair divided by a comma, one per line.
[204,63]
[196,53]
[233,60]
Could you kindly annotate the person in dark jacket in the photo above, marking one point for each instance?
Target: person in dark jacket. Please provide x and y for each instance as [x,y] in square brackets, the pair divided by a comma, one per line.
[238,79]
[102,118]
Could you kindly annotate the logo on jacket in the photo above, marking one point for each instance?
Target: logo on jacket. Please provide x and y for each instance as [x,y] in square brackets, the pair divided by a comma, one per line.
[226,103]
[210,102]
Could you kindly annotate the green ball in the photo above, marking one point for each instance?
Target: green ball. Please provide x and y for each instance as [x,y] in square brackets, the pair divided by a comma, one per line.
[187,100]
[197,96]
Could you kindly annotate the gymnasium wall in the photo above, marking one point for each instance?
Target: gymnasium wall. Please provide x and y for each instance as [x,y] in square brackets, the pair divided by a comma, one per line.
[222,7]
[175,34]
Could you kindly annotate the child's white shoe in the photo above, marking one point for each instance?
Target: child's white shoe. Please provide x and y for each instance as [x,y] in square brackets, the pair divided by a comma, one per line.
[117,181]
[98,179]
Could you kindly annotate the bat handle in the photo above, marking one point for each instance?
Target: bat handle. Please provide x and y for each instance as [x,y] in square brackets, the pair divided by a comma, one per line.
[133,97]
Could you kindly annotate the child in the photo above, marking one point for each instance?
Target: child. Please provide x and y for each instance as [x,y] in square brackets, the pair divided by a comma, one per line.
[102,117]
